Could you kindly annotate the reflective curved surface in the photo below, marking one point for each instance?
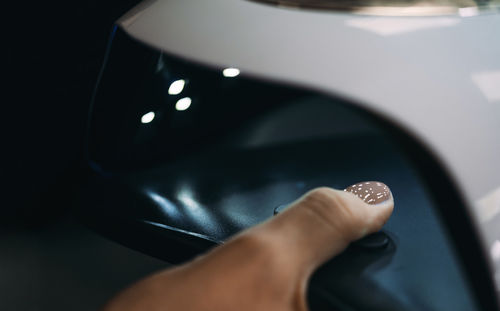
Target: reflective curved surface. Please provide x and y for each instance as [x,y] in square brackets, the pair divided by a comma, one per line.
[182,157]
[464,8]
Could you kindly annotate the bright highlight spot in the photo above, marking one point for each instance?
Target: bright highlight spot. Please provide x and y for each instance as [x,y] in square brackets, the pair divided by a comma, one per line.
[231,72]
[183,104]
[489,206]
[488,82]
[148,117]
[468,12]
[389,26]
[176,87]
[495,250]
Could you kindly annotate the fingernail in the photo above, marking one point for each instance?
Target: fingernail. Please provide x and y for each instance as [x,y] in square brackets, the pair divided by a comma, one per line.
[372,192]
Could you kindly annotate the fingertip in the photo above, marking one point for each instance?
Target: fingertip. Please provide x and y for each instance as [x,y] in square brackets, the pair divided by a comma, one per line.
[371,192]
[324,221]
[379,200]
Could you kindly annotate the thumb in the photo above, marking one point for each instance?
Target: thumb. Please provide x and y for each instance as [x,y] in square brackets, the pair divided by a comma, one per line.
[323,222]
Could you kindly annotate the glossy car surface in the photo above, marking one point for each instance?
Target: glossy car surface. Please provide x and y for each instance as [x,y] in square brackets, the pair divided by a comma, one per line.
[318,98]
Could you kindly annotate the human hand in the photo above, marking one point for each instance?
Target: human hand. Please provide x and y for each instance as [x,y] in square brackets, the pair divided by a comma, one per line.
[268,266]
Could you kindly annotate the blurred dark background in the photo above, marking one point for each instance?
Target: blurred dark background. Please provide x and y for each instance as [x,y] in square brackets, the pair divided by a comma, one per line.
[54,56]
[48,261]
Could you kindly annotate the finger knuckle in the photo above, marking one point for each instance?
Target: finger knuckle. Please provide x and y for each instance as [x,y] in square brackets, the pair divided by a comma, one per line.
[339,211]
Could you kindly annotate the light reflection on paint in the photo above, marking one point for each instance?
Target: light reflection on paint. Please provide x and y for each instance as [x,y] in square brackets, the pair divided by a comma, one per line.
[176,87]
[194,210]
[166,206]
[489,84]
[231,72]
[183,104]
[387,26]
[148,117]
[186,198]
[495,250]
[489,206]
[468,12]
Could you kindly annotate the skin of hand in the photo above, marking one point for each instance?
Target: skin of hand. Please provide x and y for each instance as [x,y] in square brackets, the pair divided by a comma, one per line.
[266,267]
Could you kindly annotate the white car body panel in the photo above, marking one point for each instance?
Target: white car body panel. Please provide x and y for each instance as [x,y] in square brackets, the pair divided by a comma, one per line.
[437,77]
